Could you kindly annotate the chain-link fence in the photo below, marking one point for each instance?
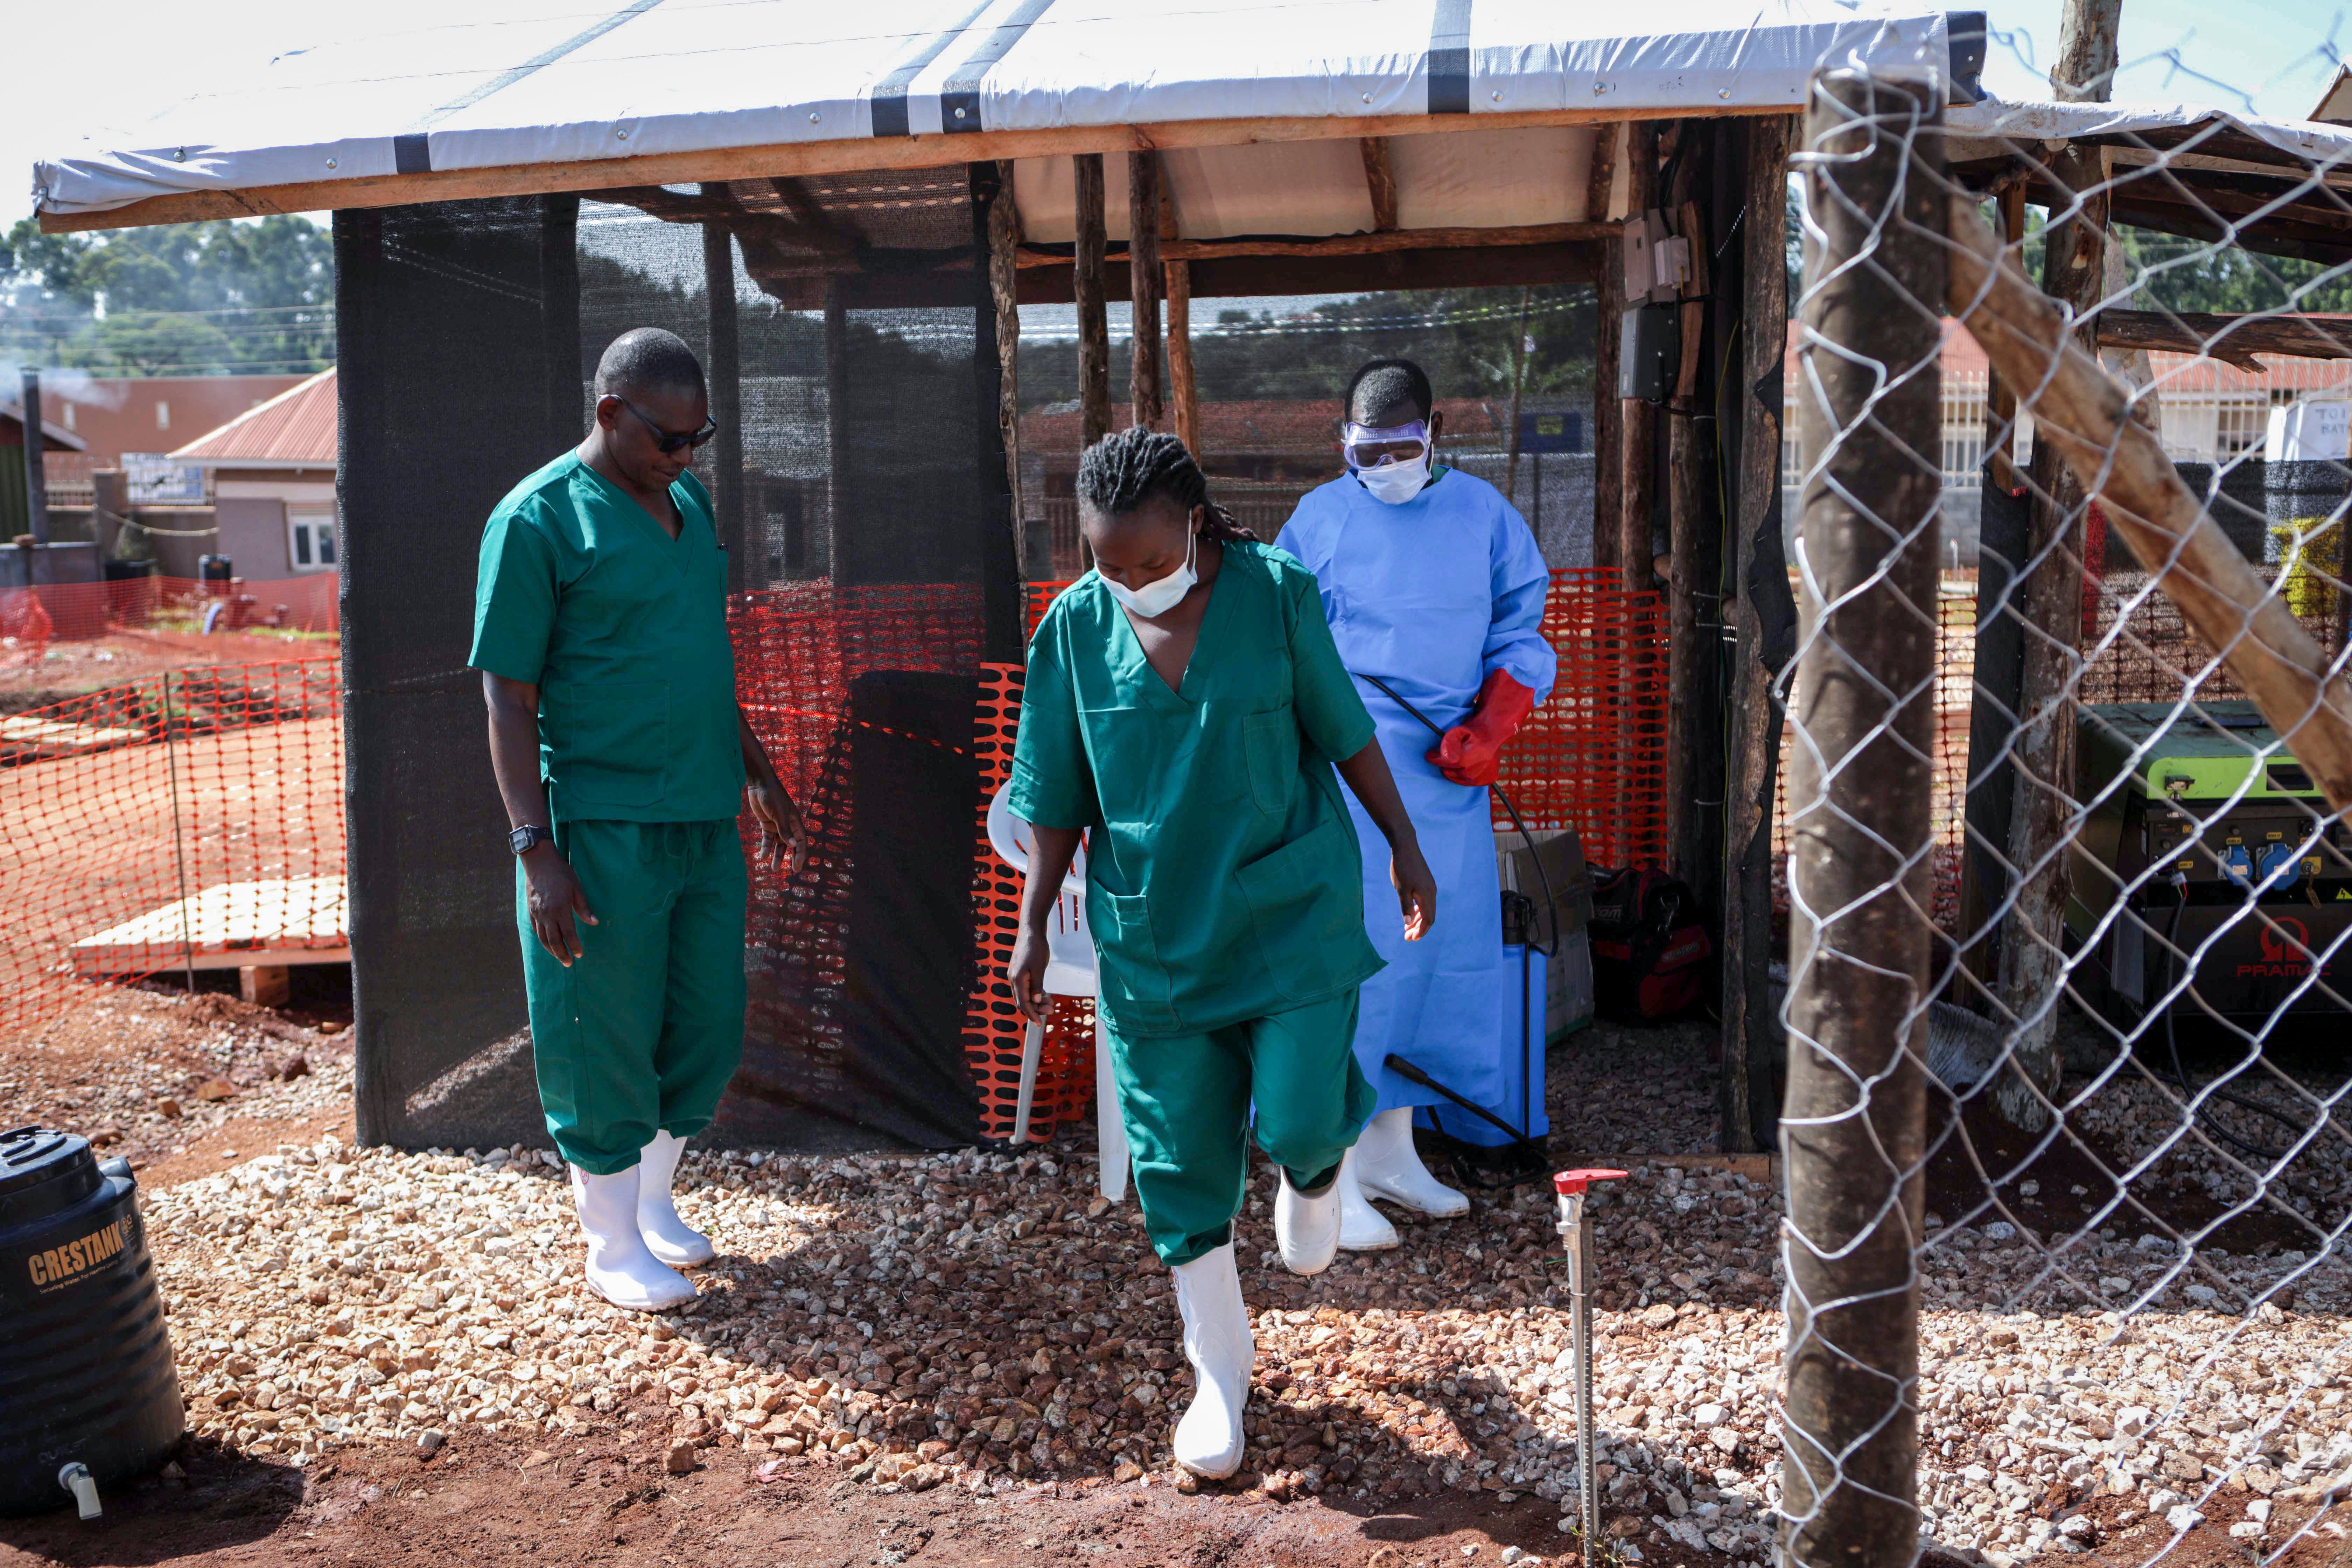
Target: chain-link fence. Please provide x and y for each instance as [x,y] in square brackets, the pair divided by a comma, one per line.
[2069,1143]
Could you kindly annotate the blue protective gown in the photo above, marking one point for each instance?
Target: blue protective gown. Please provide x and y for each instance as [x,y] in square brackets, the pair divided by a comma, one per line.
[1430,596]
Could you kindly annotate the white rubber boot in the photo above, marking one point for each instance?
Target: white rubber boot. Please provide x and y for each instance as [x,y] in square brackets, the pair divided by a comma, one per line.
[620,1269]
[1306,1225]
[668,1237]
[1389,1166]
[1362,1227]
[1217,1342]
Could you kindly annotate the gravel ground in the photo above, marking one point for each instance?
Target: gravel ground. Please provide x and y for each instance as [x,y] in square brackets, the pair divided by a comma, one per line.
[985,1323]
[145,1070]
[1617,1090]
[980,1327]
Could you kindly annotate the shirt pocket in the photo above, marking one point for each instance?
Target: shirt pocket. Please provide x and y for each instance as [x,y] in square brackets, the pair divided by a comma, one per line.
[1134,982]
[1307,907]
[1144,760]
[611,745]
[1270,753]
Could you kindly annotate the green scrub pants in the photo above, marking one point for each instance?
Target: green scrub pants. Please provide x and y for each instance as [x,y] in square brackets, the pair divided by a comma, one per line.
[1185,1102]
[641,1032]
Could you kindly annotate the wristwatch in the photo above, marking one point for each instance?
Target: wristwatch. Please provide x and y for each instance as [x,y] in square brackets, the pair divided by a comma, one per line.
[521,839]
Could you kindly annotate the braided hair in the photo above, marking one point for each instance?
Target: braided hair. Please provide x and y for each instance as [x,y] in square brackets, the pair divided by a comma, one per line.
[1119,473]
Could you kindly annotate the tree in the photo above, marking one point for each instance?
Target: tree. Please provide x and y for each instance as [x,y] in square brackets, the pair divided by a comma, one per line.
[222,296]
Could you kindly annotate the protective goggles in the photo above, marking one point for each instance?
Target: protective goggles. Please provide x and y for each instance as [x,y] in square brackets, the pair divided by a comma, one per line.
[1372,446]
[670,440]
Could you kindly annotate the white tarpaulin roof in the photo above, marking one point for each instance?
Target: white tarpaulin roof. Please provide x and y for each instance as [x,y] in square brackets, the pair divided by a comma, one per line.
[506,84]
[1987,128]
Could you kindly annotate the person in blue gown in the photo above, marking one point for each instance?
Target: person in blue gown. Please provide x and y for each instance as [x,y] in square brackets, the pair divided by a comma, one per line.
[1432,582]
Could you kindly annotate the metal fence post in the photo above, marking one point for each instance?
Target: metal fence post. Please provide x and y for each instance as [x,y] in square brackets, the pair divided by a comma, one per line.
[1861,876]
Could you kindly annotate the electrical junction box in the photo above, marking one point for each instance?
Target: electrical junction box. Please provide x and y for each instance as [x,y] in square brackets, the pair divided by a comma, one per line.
[1649,353]
[2268,867]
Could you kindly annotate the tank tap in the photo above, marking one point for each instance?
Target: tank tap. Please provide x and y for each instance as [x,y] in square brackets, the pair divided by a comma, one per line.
[76,1478]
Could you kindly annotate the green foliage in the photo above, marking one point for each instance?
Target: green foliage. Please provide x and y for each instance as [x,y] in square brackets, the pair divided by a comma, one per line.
[2185,275]
[1469,340]
[184,299]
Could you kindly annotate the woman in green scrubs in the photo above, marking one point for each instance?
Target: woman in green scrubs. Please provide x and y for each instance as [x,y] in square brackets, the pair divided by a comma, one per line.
[1186,708]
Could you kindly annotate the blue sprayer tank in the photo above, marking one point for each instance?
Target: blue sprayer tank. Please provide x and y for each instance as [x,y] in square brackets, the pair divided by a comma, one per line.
[86,1375]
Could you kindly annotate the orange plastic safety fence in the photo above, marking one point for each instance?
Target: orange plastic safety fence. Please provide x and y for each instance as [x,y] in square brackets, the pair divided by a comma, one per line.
[1593,756]
[189,819]
[993,1028]
[799,650]
[1955,663]
[69,611]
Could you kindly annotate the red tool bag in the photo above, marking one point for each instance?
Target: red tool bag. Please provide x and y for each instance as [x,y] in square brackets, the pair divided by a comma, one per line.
[1648,954]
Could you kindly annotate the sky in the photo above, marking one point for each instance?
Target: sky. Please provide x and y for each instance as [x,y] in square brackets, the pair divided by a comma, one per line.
[2273,57]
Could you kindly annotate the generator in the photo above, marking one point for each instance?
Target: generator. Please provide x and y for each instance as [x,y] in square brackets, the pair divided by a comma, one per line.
[2183,791]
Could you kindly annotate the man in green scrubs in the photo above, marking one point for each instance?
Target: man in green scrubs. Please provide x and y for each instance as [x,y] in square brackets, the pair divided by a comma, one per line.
[1185,706]
[600,629]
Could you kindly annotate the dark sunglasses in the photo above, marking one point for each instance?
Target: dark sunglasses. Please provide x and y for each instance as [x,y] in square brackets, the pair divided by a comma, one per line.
[669,441]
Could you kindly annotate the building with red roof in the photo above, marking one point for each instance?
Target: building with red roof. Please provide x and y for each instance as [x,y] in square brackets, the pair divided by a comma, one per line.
[272,471]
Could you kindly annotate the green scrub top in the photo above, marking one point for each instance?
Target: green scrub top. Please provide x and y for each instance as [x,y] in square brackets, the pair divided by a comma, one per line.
[1224,878]
[624,630]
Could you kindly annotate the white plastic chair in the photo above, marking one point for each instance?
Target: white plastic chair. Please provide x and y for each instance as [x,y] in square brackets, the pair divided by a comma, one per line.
[1069,972]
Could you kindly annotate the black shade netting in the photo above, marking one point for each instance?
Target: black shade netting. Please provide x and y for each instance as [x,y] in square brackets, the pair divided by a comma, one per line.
[860,492]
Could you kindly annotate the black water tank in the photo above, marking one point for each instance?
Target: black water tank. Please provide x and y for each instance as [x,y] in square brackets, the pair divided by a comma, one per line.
[86,1370]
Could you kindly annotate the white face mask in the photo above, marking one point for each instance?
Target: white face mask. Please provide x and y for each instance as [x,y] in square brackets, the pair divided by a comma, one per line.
[1154,600]
[1394,481]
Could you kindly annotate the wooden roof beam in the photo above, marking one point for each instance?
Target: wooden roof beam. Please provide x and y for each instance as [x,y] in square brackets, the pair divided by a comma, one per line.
[851,156]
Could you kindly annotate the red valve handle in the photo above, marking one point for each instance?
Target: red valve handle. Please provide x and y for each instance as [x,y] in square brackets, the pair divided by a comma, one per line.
[1573,1181]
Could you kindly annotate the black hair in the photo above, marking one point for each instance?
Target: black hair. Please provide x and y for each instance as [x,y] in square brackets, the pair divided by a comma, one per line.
[1383,382]
[1119,473]
[648,359]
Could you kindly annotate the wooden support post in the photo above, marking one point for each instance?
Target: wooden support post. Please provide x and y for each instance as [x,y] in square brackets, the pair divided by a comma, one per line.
[1143,288]
[2085,70]
[1993,693]
[1860,878]
[826,561]
[1183,390]
[1599,188]
[1003,250]
[2000,398]
[1690,661]
[1759,614]
[1003,623]
[724,374]
[36,489]
[1094,328]
[1638,465]
[1607,413]
[2032,960]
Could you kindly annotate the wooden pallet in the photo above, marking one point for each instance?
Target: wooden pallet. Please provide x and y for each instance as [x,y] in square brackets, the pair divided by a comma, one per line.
[235,925]
[24,739]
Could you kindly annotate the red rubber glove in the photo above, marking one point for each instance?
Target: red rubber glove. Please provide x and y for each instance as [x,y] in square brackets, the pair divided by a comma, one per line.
[1472,751]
